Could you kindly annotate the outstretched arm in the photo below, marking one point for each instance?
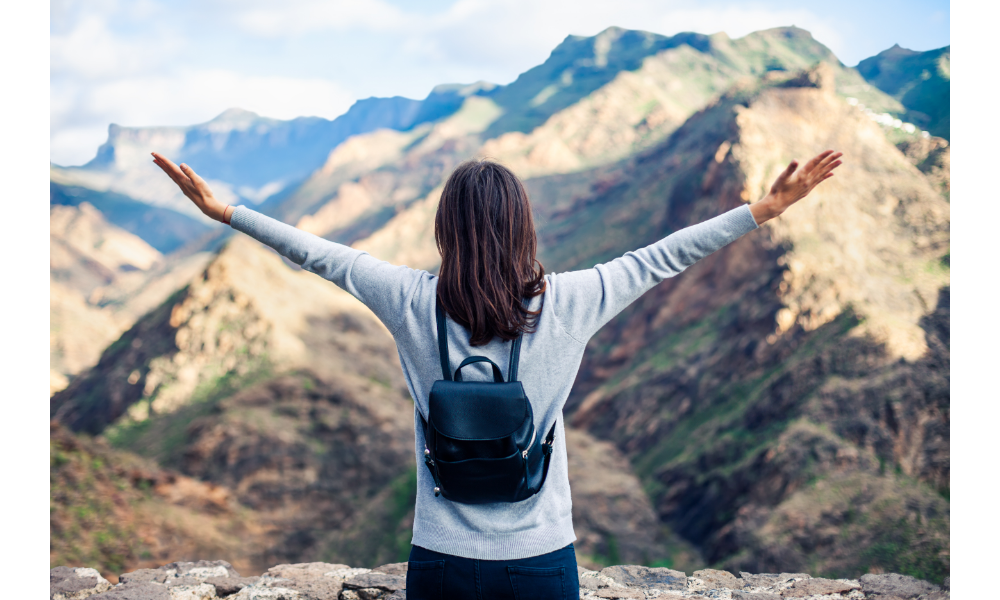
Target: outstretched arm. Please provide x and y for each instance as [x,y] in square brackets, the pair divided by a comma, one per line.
[586,300]
[383,287]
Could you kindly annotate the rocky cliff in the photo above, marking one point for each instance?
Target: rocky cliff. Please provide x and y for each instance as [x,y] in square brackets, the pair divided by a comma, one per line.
[101,279]
[204,580]
[794,381]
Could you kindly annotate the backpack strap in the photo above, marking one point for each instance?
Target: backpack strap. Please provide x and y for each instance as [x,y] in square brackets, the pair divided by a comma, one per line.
[547,452]
[442,331]
[515,356]
[443,341]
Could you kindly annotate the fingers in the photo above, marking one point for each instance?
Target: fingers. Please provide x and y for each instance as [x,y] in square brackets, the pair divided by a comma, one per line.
[788,171]
[827,169]
[819,161]
[198,181]
[828,160]
[823,167]
[171,170]
[189,187]
[816,160]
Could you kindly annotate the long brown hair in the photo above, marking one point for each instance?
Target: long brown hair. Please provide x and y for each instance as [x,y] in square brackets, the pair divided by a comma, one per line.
[486,237]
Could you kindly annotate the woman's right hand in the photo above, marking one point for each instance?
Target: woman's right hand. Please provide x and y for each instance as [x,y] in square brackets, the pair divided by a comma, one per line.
[195,188]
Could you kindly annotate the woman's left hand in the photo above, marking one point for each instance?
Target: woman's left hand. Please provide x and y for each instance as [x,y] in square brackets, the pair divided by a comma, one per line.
[195,188]
[792,186]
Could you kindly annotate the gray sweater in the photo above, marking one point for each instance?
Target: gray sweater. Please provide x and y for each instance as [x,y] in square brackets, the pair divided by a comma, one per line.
[574,306]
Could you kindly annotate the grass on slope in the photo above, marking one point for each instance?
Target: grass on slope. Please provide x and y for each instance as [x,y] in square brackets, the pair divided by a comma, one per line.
[840,525]
[381,533]
[163,437]
[116,512]
[921,81]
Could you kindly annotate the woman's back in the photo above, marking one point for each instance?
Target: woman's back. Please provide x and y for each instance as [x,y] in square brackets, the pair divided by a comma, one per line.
[573,307]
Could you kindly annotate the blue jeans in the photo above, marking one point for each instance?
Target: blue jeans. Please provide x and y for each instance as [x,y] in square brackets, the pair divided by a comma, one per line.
[432,575]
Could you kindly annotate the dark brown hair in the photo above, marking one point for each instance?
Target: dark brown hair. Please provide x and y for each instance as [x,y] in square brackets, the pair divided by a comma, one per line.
[486,237]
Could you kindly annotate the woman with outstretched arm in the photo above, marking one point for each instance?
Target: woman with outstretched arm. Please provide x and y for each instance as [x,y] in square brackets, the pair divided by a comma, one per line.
[492,291]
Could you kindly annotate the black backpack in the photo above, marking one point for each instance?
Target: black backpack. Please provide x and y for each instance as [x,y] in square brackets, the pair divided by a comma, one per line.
[480,437]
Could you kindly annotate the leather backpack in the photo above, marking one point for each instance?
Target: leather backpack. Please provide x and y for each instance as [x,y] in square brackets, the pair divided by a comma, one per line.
[481,444]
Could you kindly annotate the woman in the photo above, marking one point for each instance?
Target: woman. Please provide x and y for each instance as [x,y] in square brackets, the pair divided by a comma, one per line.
[493,289]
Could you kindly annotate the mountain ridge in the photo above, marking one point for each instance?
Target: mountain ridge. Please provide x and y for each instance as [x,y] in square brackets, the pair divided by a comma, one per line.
[919,80]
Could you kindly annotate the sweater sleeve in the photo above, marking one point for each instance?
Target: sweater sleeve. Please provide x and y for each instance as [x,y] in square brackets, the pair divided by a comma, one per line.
[382,287]
[586,300]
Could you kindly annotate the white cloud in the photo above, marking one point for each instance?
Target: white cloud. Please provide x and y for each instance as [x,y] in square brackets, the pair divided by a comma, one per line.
[297,16]
[510,36]
[85,44]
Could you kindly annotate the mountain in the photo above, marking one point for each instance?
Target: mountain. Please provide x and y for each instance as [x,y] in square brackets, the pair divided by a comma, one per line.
[260,379]
[85,253]
[785,401]
[162,228]
[101,279]
[287,166]
[921,81]
[245,158]
[378,191]
[782,406]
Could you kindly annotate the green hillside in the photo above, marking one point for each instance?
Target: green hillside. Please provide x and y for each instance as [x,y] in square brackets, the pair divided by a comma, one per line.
[921,81]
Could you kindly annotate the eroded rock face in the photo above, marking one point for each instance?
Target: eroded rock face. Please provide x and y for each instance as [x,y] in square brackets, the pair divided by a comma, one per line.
[205,580]
[775,362]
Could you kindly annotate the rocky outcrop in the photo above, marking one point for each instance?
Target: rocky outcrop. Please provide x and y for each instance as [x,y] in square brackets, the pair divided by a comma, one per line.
[204,580]
[86,253]
[933,157]
[243,314]
[101,280]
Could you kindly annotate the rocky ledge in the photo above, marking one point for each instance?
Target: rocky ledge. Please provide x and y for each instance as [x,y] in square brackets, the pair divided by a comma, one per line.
[204,580]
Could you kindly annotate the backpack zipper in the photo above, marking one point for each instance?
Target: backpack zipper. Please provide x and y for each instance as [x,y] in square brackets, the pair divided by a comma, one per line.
[524,453]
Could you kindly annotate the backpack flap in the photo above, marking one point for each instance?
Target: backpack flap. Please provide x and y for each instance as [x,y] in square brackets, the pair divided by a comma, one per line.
[478,411]
[478,420]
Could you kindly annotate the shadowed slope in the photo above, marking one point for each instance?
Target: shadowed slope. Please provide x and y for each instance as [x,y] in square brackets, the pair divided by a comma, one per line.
[711,375]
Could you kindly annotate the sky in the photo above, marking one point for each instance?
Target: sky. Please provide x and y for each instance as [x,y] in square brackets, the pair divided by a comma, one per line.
[152,62]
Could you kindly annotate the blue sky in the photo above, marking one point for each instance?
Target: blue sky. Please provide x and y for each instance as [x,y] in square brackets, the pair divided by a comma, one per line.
[152,62]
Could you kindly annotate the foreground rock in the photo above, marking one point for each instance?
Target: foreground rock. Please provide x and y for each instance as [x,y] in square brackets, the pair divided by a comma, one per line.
[204,580]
